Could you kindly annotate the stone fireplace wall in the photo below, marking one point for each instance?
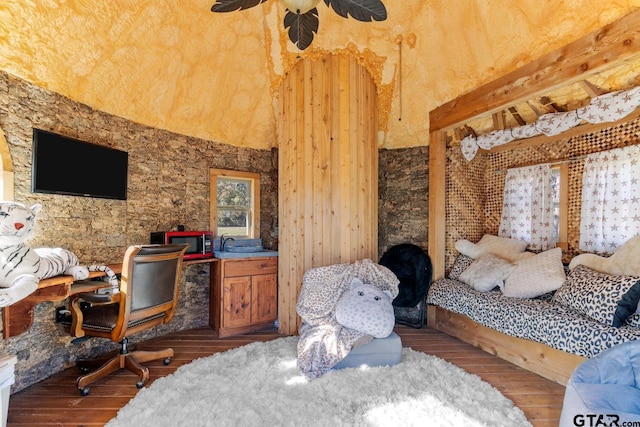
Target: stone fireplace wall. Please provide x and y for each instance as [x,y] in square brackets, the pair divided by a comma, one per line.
[403,193]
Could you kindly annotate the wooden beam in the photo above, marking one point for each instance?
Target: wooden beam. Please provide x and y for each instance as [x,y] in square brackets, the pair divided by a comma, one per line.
[470,131]
[437,202]
[538,112]
[591,89]
[499,120]
[516,116]
[576,61]
[551,106]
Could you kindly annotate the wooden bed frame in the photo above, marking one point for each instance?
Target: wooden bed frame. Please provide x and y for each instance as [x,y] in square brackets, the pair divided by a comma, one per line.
[555,365]
[604,49]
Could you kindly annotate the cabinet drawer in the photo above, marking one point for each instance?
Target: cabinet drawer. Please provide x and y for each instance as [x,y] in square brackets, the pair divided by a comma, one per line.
[250,267]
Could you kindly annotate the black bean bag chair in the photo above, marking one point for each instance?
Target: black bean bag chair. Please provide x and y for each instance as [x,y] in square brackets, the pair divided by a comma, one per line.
[412,266]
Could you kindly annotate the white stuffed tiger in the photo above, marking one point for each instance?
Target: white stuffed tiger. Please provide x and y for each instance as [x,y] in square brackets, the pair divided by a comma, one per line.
[21,267]
[111,277]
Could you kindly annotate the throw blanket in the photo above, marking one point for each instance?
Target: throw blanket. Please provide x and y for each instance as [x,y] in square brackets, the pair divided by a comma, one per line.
[323,341]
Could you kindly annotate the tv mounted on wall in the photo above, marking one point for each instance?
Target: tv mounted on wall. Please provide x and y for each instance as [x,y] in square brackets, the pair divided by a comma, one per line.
[62,165]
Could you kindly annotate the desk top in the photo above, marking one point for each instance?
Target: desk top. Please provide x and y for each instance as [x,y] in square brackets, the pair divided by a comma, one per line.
[66,280]
[117,268]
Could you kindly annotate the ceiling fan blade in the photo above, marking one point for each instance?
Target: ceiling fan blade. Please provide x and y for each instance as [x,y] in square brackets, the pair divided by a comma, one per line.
[361,10]
[302,27]
[231,5]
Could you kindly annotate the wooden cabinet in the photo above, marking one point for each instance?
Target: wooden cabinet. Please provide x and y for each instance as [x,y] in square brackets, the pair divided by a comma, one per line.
[244,295]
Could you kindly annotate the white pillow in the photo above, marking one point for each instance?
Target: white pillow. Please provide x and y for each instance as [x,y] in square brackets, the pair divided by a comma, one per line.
[504,247]
[487,272]
[470,249]
[536,275]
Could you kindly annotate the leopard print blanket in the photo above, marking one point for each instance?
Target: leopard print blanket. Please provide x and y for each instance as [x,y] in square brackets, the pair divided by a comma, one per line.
[323,341]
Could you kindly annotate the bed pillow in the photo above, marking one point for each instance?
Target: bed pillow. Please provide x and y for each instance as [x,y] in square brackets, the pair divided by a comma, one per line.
[468,248]
[536,275]
[628,305]
[461,263]
[487,272]
[596,295]
[633,320]
[503,247]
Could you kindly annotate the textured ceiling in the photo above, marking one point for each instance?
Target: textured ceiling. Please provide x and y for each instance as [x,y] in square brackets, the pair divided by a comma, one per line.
[178,66]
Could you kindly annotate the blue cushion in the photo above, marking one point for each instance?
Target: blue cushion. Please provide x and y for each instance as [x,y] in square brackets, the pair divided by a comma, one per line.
[377,352]
[607,384]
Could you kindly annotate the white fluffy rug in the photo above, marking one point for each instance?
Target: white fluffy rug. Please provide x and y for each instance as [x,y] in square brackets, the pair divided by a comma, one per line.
[259,385]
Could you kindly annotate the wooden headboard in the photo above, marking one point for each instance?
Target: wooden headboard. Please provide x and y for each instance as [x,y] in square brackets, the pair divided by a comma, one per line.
[595,53]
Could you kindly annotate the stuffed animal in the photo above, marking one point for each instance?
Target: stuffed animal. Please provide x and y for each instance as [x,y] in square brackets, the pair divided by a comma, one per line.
[21,267]
[367,309]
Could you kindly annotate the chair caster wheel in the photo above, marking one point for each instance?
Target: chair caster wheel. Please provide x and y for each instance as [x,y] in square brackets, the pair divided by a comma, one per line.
[166,361]
[140,384]
[84,391]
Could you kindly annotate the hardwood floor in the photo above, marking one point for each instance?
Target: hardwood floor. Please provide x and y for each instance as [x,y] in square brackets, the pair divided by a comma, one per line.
[56,401]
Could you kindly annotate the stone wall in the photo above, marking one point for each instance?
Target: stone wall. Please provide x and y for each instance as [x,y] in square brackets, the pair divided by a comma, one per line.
[403,197]
[168,185]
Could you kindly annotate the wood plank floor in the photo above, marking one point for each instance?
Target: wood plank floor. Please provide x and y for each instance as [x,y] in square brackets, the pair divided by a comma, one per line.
[56,401]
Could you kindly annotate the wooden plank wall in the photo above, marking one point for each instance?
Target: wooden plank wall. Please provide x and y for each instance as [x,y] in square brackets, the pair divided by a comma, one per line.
[328,172]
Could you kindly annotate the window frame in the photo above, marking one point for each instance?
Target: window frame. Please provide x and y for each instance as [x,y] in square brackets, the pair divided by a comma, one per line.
[254,217]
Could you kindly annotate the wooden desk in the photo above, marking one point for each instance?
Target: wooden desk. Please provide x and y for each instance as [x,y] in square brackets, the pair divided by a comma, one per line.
[18,318]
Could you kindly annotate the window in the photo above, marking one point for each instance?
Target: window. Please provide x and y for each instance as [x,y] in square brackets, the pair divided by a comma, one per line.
[235,203]
[610,212]
[527,211]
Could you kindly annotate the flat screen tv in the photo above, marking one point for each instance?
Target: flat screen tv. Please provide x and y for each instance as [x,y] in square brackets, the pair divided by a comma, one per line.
[62,165]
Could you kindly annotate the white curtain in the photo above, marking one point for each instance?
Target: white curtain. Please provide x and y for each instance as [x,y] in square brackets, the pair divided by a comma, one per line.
[527,209]
[610,199]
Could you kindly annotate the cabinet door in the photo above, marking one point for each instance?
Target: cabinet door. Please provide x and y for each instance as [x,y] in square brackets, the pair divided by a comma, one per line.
[236,299]
[264,298]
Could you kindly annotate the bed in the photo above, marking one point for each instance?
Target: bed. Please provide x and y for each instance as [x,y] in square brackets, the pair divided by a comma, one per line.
[465,196]
[547,325]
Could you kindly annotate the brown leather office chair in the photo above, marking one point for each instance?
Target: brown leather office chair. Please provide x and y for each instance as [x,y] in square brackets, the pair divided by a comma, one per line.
[148,297]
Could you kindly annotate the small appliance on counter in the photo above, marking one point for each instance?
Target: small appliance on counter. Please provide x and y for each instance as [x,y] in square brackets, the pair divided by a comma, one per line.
[200,242]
